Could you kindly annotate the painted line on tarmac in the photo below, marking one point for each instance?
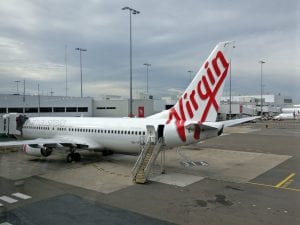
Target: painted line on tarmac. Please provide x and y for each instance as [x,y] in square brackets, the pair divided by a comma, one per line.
[272,186]
[5,223]
[8,199]
[281,183]
[20,195]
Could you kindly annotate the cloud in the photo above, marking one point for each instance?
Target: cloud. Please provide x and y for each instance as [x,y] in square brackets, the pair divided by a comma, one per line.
[173,36]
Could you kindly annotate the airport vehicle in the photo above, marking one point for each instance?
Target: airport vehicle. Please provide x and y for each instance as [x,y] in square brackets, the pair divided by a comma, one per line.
[192,119]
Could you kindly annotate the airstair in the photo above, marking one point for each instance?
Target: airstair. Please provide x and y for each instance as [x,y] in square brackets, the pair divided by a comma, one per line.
[146,159]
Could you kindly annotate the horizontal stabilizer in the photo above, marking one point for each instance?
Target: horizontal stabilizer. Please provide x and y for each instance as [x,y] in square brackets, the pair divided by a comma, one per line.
[229,123]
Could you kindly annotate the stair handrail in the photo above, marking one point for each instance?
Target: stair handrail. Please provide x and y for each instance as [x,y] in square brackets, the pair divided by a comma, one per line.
[154,155]
[141,156]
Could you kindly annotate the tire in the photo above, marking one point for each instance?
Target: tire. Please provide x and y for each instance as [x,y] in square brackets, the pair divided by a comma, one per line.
[76,157]
[70,158]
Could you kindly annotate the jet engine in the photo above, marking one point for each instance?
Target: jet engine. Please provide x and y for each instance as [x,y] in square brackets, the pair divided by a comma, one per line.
[37,150]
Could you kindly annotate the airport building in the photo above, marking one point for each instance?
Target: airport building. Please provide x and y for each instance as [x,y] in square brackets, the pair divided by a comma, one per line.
[251,105]
[35,105]
[109,106]
[117,106]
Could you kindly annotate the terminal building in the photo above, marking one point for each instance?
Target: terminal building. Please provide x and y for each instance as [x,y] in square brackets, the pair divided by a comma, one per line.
[116,106]
[252,105]
[36,105]
[109,106]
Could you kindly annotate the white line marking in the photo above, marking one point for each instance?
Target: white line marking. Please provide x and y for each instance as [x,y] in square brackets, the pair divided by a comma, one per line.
[0,206]
[20,195]
[8,199]
[5,223]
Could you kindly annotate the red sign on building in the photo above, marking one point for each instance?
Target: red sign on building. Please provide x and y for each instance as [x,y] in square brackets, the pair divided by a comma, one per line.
[141,112]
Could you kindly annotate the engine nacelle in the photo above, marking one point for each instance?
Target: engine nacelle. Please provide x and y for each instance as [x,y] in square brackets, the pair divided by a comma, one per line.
[37,151]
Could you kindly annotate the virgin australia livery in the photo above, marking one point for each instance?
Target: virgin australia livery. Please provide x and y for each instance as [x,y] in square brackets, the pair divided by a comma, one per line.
[192,119]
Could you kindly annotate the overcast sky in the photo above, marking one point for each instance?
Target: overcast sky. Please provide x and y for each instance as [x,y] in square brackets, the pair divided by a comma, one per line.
[173,36]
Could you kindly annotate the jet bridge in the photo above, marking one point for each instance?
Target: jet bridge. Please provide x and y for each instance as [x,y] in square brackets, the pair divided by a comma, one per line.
[148,155]
[12,124]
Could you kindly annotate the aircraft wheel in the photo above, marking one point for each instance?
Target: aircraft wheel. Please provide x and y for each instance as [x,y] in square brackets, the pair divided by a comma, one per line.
[69,157]
[76,157]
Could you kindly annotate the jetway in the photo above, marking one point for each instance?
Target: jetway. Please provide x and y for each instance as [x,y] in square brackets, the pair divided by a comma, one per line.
[12,123]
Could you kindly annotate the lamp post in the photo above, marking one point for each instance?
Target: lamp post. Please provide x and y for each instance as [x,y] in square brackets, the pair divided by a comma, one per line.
[190,72]
[230,89]
[131,11]
[147,65]
[261,85]
[230,102]
[66,48]
[39,100]
[17,81]
[81,50]
[24,90]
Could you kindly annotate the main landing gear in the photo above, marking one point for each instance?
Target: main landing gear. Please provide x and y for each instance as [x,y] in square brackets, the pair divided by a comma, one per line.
[73,156]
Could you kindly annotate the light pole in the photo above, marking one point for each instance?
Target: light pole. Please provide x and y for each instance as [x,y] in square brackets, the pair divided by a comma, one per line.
[24,90]
[230,86]
[39,100]
[17,81]
[190,72]
[147,65]
[261,86]
[230,89]
[131,11]
[66,48]
[81,50]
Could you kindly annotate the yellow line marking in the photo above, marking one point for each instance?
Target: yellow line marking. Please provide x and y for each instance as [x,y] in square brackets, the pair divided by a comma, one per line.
[285,180]
[267,185]
[288,183]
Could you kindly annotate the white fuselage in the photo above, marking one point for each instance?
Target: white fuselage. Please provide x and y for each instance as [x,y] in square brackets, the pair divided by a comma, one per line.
[117,134]
[287,116]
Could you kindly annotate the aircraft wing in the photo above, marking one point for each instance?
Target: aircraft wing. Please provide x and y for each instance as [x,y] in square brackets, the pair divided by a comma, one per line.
[58,142]
[229,123]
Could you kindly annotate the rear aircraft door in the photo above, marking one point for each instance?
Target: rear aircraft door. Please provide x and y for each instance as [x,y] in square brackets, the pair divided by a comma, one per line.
[160,131]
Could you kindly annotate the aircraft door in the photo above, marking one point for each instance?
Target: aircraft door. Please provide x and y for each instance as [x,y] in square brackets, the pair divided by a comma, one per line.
[160,131]
[151,133]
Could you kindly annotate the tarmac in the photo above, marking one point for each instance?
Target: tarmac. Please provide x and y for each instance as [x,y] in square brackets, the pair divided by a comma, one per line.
[249,175]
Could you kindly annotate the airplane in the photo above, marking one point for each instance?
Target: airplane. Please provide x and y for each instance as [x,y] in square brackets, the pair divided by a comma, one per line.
[192,119]
[287,116]
[292,113]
